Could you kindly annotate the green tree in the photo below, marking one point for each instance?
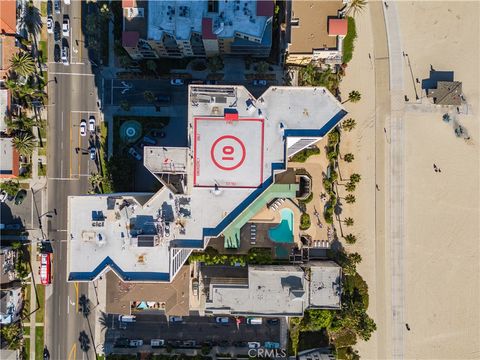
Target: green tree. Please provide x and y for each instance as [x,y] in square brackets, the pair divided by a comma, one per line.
[305,221]
[356,7]
[149,96]
[353,96]
[355,178]
[350,199]
[215,64]
[21,123]
[10,187]
[350,186]
[12,335]
[349,124]
[125,105]
[348,221]
[23,64]
[348,157]
[106,12]
[16,245]
[30,19]
[350,239]
[91,24]
[315,320]
[262,67]
[152,66]
[24,143]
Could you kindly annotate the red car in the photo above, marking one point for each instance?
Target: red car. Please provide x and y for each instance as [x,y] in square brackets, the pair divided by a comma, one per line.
[45,269]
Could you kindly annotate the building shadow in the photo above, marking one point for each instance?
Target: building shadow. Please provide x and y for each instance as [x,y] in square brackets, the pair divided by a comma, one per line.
[435,77]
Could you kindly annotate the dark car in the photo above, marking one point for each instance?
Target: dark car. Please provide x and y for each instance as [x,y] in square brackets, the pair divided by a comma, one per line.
[57,31]
[163,98]
[56,53]
[158,134]
[49,7]
[21,195]
[273,321]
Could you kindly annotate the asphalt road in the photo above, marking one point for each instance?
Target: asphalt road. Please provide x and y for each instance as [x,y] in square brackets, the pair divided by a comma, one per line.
[71,97]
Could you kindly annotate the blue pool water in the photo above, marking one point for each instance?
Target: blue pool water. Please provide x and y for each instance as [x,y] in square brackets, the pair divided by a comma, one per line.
[283,233]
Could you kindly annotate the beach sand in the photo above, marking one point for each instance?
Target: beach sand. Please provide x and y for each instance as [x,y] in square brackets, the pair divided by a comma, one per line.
[442,249]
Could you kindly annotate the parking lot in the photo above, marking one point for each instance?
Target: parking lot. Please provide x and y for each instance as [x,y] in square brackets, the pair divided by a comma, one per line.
[193,328]
[23,214]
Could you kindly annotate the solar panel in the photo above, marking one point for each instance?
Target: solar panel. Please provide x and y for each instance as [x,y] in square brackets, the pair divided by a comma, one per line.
[146,241]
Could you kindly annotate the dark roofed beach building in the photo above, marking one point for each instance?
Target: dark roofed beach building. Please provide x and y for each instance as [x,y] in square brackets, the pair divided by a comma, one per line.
[446,93]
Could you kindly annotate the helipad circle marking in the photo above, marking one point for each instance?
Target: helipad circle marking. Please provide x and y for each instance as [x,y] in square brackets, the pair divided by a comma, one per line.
[229,158]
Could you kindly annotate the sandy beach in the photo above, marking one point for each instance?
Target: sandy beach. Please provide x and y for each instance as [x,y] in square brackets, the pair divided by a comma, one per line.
[442,247]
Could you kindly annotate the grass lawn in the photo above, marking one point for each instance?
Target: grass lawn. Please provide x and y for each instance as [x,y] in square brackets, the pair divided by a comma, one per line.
[42,169]
[148,123]
[42,151]
[43,48]
[43,8]
[26,346]
[43,132]
[26,330]
[348,42]
[41,299]
[39,343]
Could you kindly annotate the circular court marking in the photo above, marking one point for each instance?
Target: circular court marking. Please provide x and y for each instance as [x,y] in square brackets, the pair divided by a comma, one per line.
[228,152]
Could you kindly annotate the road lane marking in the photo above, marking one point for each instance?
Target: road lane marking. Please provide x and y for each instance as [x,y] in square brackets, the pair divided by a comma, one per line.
[73,351]
[68,304]
[76,292]
[64,179]
[61,164]
[70,147]
[62,122]
[79,158]
[85,111]
[61,145]
[76,74]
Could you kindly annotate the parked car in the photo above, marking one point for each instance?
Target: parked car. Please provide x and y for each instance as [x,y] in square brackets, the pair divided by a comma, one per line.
[273,321]
[56,6]
[83,127]
[195,287]
[56,53]
[91,123]
[45,268]
[260,82]
[135,154]
[148,140]
[21,195]
[136,343]
[56,31]
[254,321]
[49,7]
[211,82]
[176,82]
[126,318]
[175,319]
[50,23]
[13,227]
[66,2]
[66,26]
[3,196]
[156,343]
[65,55]
[253,345]
[221,320]
[271,345]
[93,153]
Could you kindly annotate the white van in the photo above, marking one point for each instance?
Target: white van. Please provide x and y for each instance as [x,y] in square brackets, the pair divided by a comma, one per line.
[157,342]
[254,321]
[126,318]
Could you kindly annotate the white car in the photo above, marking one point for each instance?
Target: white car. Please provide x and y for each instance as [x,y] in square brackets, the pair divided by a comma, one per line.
[176,319]
[253,345]
[66,26]
[221,320]
[3,196]
[65,58]
[176,82]
[260,82]
[66,2]
[83,128]
[50,25]
[91,123]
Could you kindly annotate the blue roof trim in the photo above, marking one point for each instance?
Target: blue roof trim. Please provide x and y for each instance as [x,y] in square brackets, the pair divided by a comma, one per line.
[127,276]
[188,243]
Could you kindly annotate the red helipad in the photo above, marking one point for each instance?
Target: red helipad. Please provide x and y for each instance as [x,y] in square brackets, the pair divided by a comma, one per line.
[228,153]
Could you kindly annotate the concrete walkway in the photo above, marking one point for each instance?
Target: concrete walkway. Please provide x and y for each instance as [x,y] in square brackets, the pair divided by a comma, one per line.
[396,177]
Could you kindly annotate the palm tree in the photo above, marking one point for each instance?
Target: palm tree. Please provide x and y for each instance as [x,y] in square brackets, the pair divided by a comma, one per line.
[20,124]
[356,6]
[350,199]
[355,178]
[24,143]
[350,239]
[350,186]
[348,124]
[348,221]
[353,96]
[23,64]
[355,258]
[31,19]
[149,96]
[348,157]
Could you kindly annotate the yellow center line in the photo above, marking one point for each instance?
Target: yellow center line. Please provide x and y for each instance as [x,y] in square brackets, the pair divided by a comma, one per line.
[76,293]
[79,158]
[74,351]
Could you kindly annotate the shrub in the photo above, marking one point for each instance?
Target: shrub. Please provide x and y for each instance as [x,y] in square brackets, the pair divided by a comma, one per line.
[10,187]
[305,221]
[303,155]
[327,184]
[350,239]
[348,42]
[308,199]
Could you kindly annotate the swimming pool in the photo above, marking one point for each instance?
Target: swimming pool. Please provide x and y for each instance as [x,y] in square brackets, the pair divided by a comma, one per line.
[283,233]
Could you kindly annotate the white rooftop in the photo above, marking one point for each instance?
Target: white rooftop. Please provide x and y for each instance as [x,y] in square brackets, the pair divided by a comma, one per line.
[236,143]
[181,18]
